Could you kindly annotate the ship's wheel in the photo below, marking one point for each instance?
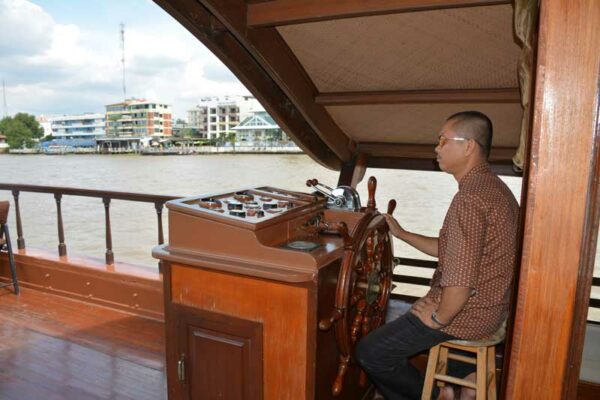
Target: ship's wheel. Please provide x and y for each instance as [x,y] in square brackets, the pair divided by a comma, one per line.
[364,285]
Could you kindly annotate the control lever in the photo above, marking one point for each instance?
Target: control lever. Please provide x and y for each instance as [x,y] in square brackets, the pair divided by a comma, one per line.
[337,200]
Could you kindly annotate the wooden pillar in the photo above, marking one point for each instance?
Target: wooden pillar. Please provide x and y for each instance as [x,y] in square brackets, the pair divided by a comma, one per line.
[561,212]
[353,171]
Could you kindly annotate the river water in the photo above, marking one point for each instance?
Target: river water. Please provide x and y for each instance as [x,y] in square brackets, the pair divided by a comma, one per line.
[423,197]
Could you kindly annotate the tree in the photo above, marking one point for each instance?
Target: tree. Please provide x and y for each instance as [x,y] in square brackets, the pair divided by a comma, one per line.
[21,130]
[29,121]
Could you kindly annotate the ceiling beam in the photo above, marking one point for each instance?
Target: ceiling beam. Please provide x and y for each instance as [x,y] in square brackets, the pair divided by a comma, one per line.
[503,168]
[422,151]
[285,12]
[211,32]
[273,55]
[510,95]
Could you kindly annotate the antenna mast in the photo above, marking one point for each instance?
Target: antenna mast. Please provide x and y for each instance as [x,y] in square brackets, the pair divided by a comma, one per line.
[123,58]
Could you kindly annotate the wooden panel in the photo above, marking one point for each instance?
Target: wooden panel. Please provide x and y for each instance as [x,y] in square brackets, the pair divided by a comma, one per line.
[588,391]
[420,96]
[121,286]
[282,12]
[223,355]
[282,309]
[547,343]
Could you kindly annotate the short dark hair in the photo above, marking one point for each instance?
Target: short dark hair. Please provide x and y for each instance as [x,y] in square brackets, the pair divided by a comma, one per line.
[477,126]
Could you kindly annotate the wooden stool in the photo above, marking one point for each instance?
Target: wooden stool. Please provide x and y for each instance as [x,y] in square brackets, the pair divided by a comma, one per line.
[485,362]
[6,245]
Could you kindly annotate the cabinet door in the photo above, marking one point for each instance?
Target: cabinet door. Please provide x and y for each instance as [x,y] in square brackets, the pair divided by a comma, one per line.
[219,356]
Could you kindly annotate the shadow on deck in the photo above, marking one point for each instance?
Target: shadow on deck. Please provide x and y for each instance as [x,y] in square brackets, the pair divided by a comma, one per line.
[57,348]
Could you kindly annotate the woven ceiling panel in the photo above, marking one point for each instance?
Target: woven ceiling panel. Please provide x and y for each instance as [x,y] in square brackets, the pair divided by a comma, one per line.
[421,123]
[442,49]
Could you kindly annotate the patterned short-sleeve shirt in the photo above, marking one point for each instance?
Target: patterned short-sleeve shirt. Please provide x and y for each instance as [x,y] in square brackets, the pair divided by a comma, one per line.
[477,249]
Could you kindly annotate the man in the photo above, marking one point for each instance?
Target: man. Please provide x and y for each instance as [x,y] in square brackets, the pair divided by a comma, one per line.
[476,249]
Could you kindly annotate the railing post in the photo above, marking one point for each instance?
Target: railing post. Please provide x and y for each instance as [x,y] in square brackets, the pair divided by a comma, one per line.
[20,239]
[62,247]
[110,257]
[159,207]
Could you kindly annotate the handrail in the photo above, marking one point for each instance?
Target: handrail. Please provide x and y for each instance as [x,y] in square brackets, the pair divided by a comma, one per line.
[425,282]
[105,195]
[140,197]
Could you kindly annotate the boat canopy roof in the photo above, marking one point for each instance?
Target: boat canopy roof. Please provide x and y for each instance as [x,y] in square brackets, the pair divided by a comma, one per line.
[345,78]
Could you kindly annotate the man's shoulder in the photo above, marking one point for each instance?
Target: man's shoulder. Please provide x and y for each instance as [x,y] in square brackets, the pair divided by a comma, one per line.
[485,186]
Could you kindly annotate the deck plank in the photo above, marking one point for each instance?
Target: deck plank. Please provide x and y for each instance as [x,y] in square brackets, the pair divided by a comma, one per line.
[57,348]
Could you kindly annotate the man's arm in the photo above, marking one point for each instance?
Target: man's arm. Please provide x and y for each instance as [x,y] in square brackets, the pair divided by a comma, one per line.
[426,244]
[453,300]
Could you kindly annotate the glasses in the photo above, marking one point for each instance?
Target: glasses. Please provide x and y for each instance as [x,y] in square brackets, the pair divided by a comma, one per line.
[443,139]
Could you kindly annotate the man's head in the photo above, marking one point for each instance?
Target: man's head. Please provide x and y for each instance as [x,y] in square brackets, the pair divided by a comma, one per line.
[464,141]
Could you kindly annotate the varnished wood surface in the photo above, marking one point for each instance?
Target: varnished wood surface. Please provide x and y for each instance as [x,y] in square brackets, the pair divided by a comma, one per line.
[54,348]
[122,286]
[282,309]
[547,339]
[284,12]
[508,95]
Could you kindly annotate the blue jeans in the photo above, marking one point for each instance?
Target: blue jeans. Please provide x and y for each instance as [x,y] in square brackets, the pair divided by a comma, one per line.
[384,353]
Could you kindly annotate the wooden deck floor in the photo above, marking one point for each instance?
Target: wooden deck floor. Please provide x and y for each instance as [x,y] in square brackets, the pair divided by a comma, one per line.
[54,348]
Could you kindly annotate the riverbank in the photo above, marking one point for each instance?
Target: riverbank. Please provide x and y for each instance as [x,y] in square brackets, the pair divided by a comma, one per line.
[153,151]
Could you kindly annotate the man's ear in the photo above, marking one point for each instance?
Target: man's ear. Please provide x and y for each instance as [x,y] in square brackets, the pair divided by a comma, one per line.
[471,147]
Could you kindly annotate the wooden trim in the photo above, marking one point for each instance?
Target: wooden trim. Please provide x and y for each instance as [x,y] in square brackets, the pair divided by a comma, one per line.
[119,286]
[284,12]
[421,157]
[381,149]
[423,164]
[586,268]
[413,280]
[554,245]
[271,52]
[509,95]
[353,172]
[199,21]
[587,390]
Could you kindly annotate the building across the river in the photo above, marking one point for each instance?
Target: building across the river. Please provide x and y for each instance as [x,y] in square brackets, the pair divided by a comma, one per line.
[80,126]
[259,128]
[215,117]
[138,118]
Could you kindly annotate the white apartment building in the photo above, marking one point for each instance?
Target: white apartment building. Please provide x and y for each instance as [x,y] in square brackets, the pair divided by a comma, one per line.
[139,118]
[215,116]
[81,126]
[44,122]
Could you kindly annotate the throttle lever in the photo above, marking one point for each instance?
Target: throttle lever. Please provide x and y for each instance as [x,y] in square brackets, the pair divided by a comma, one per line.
[313,183]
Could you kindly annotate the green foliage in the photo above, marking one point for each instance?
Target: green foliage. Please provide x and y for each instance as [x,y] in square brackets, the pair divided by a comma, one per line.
[21,130]
[187,132]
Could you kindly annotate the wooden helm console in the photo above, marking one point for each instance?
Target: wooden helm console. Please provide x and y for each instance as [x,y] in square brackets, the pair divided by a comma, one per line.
[281,284]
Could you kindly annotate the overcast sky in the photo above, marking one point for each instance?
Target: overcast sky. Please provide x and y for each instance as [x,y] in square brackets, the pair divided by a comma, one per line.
[64,57]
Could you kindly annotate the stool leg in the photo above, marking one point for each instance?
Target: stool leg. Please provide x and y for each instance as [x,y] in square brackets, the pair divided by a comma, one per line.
[442,366]
[432,363]
[491,368]
[481,373]
[11,260]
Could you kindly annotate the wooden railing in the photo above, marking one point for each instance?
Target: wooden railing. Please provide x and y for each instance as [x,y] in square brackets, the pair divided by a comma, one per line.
[105,196]
[411,262]
[159,201]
